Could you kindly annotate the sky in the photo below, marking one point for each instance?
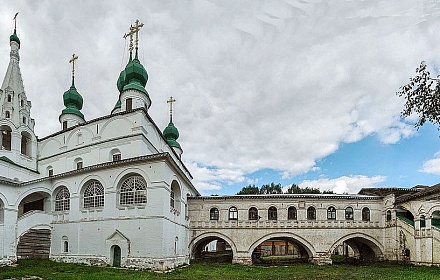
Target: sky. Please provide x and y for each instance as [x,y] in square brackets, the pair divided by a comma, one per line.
[296,91]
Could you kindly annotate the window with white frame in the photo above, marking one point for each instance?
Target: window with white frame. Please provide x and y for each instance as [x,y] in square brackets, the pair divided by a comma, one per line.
[62,200]
[133,191]
[93,195]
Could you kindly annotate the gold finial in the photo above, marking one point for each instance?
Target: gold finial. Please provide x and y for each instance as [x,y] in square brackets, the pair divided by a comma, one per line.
[171,101]
[72,60]
[136,28]
[130,33]
[15,22]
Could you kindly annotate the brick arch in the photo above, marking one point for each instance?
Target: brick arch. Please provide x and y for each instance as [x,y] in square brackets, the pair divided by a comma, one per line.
[374,245]
[298,239]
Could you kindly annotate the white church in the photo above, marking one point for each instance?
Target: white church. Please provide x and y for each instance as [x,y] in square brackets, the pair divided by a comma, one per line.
[114,191]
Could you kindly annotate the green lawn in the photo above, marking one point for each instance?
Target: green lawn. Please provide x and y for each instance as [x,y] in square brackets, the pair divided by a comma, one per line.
[51,270]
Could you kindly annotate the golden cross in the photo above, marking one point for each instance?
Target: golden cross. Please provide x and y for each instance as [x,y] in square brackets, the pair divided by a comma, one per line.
[72,60]
[130,48]
[171,101]
[136,28]
[15,21]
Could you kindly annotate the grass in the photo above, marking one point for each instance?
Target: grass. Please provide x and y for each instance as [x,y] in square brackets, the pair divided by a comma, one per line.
[50,270]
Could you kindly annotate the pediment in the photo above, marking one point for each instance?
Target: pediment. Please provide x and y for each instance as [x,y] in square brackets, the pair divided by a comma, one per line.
[117,235]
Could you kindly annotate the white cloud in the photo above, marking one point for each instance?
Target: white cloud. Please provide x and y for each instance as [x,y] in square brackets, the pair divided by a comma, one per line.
[258,85]
[432,166]
[345,184]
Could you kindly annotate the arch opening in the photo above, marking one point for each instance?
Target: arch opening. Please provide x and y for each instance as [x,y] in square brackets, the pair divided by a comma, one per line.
[37,201]
[405,215]
[435,220]
[280,250]
[356,250]
[212,249]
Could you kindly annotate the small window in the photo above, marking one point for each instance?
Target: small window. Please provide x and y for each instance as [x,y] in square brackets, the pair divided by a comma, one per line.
[388,216]
[79,165]
[213,214]
[272,213]
[50,172]
[366,214]
[253,214]
[66,246]
[349,213]
[116,157]
[331,213]
[21,103]
[129,104]
[64,125]
[9,98]
[233,213]
[291,213]
[311,213]
[7,114]
[24,120]
[422,221]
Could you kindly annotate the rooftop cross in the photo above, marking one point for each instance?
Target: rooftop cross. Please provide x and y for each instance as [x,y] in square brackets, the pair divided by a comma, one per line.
[136,28]
[171,101]
[130,33]
[72,60]
[15,22]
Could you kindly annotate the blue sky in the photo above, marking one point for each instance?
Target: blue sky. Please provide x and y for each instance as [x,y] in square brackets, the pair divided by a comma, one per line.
[288,91]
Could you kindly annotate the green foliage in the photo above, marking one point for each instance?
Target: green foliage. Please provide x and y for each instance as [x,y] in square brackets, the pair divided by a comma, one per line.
[385,271]
[251,189]
[422,95]
[273,188]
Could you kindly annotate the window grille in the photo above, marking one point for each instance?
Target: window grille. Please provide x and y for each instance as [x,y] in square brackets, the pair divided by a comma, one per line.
[133,191]
[311,213]
[331,213]
[94,195]
[62,199]
[349,213]
[366,214]
[233,213]
[272,213]
[291,213]
[213,214]
[253,213]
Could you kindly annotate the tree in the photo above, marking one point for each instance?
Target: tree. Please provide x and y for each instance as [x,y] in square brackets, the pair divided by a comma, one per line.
[271,189]
[251,189]
[422,96]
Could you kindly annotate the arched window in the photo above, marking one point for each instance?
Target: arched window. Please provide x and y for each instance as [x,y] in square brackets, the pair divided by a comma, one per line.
[253,214]
[93,195]
[272,213]
[233,213]
[1,212]
[388,216]
[5,137]
[62,200]
[133,191]
[331,213]
[78,163]
[291,213]
[349,213]
[311,213]
[115,155]
[26,143]
[175,195]
[366,214]
[213,214]
[65,244]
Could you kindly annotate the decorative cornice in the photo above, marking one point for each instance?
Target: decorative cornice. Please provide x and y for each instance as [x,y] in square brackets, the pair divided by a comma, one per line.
[289,196]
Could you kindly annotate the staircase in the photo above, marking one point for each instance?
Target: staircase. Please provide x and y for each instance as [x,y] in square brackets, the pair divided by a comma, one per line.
[34,244]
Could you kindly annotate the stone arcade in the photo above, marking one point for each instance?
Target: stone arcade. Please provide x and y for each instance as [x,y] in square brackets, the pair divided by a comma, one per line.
[114,190]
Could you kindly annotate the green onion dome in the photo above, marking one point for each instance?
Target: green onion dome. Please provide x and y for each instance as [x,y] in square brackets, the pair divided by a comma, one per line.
[73,102]
[171,134]
[136,76]
[14,38]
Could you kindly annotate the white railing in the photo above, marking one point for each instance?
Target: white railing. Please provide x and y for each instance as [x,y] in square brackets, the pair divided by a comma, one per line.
[283,224]
[32,219]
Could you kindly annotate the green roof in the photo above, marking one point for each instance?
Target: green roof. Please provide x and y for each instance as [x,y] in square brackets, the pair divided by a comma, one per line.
[14,38]
[171,134]
[73,101]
